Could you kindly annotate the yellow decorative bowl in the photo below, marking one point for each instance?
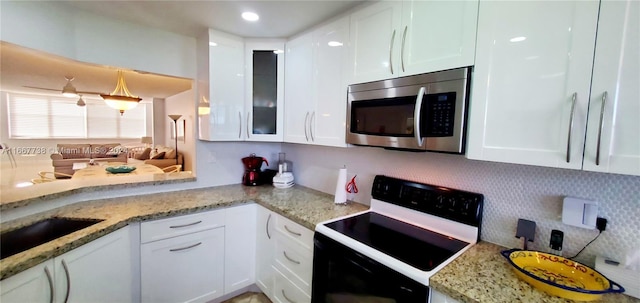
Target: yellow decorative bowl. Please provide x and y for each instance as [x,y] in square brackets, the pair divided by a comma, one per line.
[559,276]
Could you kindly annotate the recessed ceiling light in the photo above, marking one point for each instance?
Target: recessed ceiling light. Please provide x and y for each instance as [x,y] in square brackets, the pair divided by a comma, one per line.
[213,43]
[334,43]
[518,39]
[249,16]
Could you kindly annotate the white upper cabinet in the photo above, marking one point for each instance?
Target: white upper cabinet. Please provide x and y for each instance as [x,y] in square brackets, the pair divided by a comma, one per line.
[613,127]
[401,38]
[374,39]
[246,90]
[315,87]
[226,90]
[437,35]
[264,90]
[530,101]
[299,95]
[328,119]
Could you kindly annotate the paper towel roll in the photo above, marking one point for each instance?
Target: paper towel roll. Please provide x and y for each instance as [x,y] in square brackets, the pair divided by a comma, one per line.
[341,193]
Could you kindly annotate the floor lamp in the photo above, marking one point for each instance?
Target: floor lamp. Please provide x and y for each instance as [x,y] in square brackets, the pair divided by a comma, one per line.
[175,131]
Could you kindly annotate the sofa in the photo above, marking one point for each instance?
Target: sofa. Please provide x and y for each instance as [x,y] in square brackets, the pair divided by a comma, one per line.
[68,154]
[160,156]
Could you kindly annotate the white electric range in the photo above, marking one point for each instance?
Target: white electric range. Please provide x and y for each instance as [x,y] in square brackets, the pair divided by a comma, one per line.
[388,253]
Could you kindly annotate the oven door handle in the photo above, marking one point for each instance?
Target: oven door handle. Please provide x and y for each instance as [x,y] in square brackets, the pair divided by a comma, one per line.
[416,116]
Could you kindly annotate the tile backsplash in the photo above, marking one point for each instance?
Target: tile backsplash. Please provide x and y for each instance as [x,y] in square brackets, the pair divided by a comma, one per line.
[511,191]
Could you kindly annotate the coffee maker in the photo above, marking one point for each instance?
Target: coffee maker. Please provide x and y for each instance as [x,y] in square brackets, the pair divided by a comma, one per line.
[252,170]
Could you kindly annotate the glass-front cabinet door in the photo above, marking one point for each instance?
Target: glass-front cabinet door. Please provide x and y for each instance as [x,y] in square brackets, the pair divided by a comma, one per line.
[265,90]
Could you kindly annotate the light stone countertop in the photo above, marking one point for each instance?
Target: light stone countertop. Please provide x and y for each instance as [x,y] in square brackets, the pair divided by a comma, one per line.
[12,197]
[482,275]
[302,205]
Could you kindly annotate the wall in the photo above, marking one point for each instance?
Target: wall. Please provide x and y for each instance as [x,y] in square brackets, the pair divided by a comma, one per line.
[52,27]
[511,191]
[181,104]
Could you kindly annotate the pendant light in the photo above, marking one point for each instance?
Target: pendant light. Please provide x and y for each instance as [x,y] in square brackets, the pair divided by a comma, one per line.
[121,99]
[204,107]
[81,102]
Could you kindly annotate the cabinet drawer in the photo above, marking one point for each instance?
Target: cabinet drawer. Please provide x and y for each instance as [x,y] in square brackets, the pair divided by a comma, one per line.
[286,292]
[294,231]
[181,225]
[295,262]
[183,269]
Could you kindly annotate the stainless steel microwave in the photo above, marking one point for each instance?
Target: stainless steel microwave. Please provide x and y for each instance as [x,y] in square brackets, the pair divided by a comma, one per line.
[425,112]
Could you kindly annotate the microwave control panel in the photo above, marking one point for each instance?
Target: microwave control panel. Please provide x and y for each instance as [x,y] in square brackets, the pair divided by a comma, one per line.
[438,114]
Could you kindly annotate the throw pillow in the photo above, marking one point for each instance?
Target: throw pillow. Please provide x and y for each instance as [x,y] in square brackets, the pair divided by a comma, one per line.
[169,153]
[158,156]
[144,155]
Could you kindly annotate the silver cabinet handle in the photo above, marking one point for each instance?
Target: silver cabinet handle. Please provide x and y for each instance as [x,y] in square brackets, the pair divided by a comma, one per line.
[313,115]
[248,118]
[292,232]
[66,272]
[239,125]
[604,101]
[186,247]
[50,279]
[404,37]
[186,225]
[287,298]
[416,117]
[573,111]
[393,38]
[292,260]
[306,117]
[267,226]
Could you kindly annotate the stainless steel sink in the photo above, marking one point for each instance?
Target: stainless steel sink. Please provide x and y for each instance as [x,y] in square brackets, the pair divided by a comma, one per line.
[19,240]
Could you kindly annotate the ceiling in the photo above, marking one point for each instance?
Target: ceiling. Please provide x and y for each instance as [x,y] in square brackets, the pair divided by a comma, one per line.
[20,67]
[278,19]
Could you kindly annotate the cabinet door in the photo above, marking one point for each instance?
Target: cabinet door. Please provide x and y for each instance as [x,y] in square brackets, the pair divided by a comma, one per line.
[33,285]
[265,90]
[375,40]
[299,94]
[100,271]
[265,245]
[188,268]
[613,126]
[532,58]
[437,35]
[226,77]
[328,119]
[239,247]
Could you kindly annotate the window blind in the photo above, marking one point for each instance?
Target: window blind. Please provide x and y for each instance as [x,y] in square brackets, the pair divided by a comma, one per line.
[47,117]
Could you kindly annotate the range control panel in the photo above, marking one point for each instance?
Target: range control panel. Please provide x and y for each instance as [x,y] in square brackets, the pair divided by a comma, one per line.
[461,206]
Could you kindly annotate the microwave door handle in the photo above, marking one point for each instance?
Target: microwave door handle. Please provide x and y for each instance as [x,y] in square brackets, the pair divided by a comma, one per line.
[416,117]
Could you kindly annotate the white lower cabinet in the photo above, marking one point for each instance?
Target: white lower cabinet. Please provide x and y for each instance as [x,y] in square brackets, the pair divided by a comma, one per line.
[285,291]
[189,268]
[198,257]
[239,247]
[100,271]
[284,261]
[265,246]
[32,285]
[438,297]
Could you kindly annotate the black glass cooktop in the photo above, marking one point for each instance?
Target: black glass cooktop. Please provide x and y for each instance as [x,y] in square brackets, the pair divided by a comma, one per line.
[416,246]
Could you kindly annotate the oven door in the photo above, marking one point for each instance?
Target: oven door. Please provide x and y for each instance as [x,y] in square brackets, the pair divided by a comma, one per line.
[343,275]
